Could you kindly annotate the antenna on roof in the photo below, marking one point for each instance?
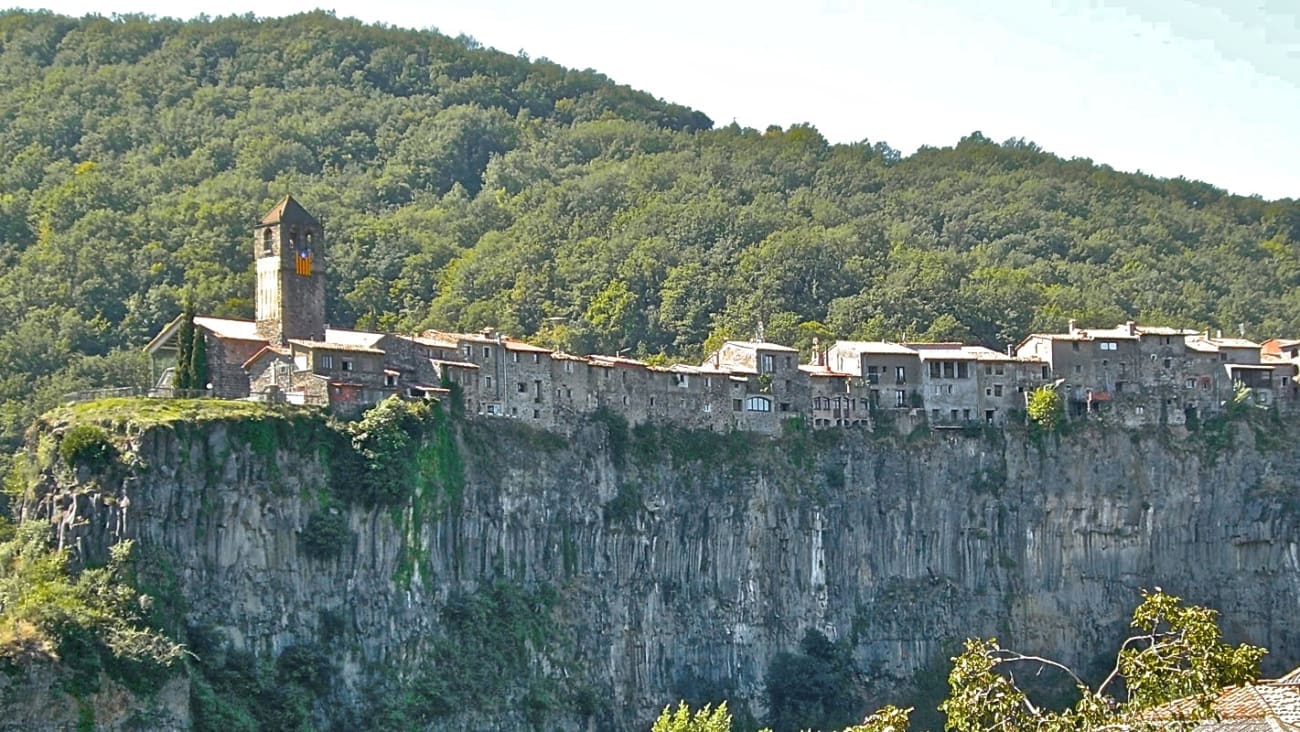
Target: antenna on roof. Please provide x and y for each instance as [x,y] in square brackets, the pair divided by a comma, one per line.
[760,333]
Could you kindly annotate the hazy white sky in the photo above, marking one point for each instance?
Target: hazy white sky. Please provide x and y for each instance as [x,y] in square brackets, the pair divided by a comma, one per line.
[1207,89]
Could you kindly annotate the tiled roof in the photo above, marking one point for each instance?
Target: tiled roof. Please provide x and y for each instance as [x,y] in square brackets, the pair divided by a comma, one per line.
[763,345]
[334,346]
[957,352]
[361,338]
[1161,330]
[240,330]
[266,351]
[431,341]
[1234,343]
[1245,708]
[877,347]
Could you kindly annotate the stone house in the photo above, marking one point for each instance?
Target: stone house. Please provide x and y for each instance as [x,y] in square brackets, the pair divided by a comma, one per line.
[889,372]
[1138,374]
[766,383]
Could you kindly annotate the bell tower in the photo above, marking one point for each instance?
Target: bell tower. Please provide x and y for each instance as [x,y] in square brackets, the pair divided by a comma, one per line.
[289,248]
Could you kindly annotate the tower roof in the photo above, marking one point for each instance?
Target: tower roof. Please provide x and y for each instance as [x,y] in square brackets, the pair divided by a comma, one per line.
[288,209]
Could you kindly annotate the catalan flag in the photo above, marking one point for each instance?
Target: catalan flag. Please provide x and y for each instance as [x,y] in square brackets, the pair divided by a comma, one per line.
[303,261]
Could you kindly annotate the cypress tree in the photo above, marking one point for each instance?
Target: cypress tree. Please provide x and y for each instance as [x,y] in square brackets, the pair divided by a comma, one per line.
[198,359]
[182,377]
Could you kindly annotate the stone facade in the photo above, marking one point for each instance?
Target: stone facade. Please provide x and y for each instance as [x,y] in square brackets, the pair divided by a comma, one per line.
[1140,375]
[289,250]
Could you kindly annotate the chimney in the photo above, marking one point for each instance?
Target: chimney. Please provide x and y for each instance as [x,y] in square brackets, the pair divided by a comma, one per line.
[1074,326]
[1010,349]
[1218,334]
[1132,327]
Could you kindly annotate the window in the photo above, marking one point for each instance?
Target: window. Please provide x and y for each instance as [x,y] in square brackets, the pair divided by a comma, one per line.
[390,380]
[487,353]
[1078,369]
[327,362]
[963,370]
[652,401]
[953,414]
[487,382]
[997,390]
[999,370]
[1189,384]
[523,388]
[900,375]
[1109,346]
[965,414]
[768,363]
[736,404]
[873,374]
[934,370]
[708,381]
[1223,357]
[900,398]
[785,406]
[1046,372]
[682,380]
[988,416]
[1074,346]
[948,370]
[537,358]
[1169,362]
[537,414]
[758,404]
[988,369]
[514,357]
[934,414]
[787,362]
[568,368]
[267,241]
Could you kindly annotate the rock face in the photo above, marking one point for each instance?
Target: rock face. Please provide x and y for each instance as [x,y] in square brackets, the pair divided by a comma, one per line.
[681,564]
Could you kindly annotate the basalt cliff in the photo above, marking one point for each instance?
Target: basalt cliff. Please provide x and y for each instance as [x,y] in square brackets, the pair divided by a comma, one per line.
[484,575]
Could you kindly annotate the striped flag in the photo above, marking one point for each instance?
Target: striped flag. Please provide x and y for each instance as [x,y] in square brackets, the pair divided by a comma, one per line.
[303,261]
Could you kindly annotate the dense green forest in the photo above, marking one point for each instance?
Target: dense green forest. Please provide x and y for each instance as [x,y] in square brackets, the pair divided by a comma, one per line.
[464,187]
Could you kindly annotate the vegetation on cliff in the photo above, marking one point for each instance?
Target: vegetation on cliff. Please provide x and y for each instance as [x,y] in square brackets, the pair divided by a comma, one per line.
[91,618]
[464,187]
[1175,655]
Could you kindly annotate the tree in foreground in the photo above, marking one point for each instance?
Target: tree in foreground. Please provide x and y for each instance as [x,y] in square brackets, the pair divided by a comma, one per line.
[1175,654]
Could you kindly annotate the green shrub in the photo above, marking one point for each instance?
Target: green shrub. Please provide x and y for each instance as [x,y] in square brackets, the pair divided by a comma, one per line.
[87,445]
[1045,408]
[324,535]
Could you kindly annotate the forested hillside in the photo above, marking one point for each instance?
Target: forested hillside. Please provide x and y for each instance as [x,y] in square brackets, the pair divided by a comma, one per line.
[463,187]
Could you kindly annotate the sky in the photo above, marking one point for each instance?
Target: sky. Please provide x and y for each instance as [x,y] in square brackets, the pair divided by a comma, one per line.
[1204,89]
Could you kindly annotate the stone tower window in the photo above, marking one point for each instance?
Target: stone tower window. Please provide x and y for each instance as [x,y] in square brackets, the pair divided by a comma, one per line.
[268,240]
[293,238]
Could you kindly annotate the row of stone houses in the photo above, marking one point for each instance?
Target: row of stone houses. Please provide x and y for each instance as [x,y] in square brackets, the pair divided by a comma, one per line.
[1142,375]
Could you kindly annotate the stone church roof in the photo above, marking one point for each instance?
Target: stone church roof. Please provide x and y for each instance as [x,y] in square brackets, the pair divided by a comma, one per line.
[287,208]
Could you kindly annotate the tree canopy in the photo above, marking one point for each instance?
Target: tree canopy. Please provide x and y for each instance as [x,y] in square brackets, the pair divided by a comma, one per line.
[463,187]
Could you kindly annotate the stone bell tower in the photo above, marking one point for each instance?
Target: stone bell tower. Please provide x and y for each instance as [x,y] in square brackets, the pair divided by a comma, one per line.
[289,248]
